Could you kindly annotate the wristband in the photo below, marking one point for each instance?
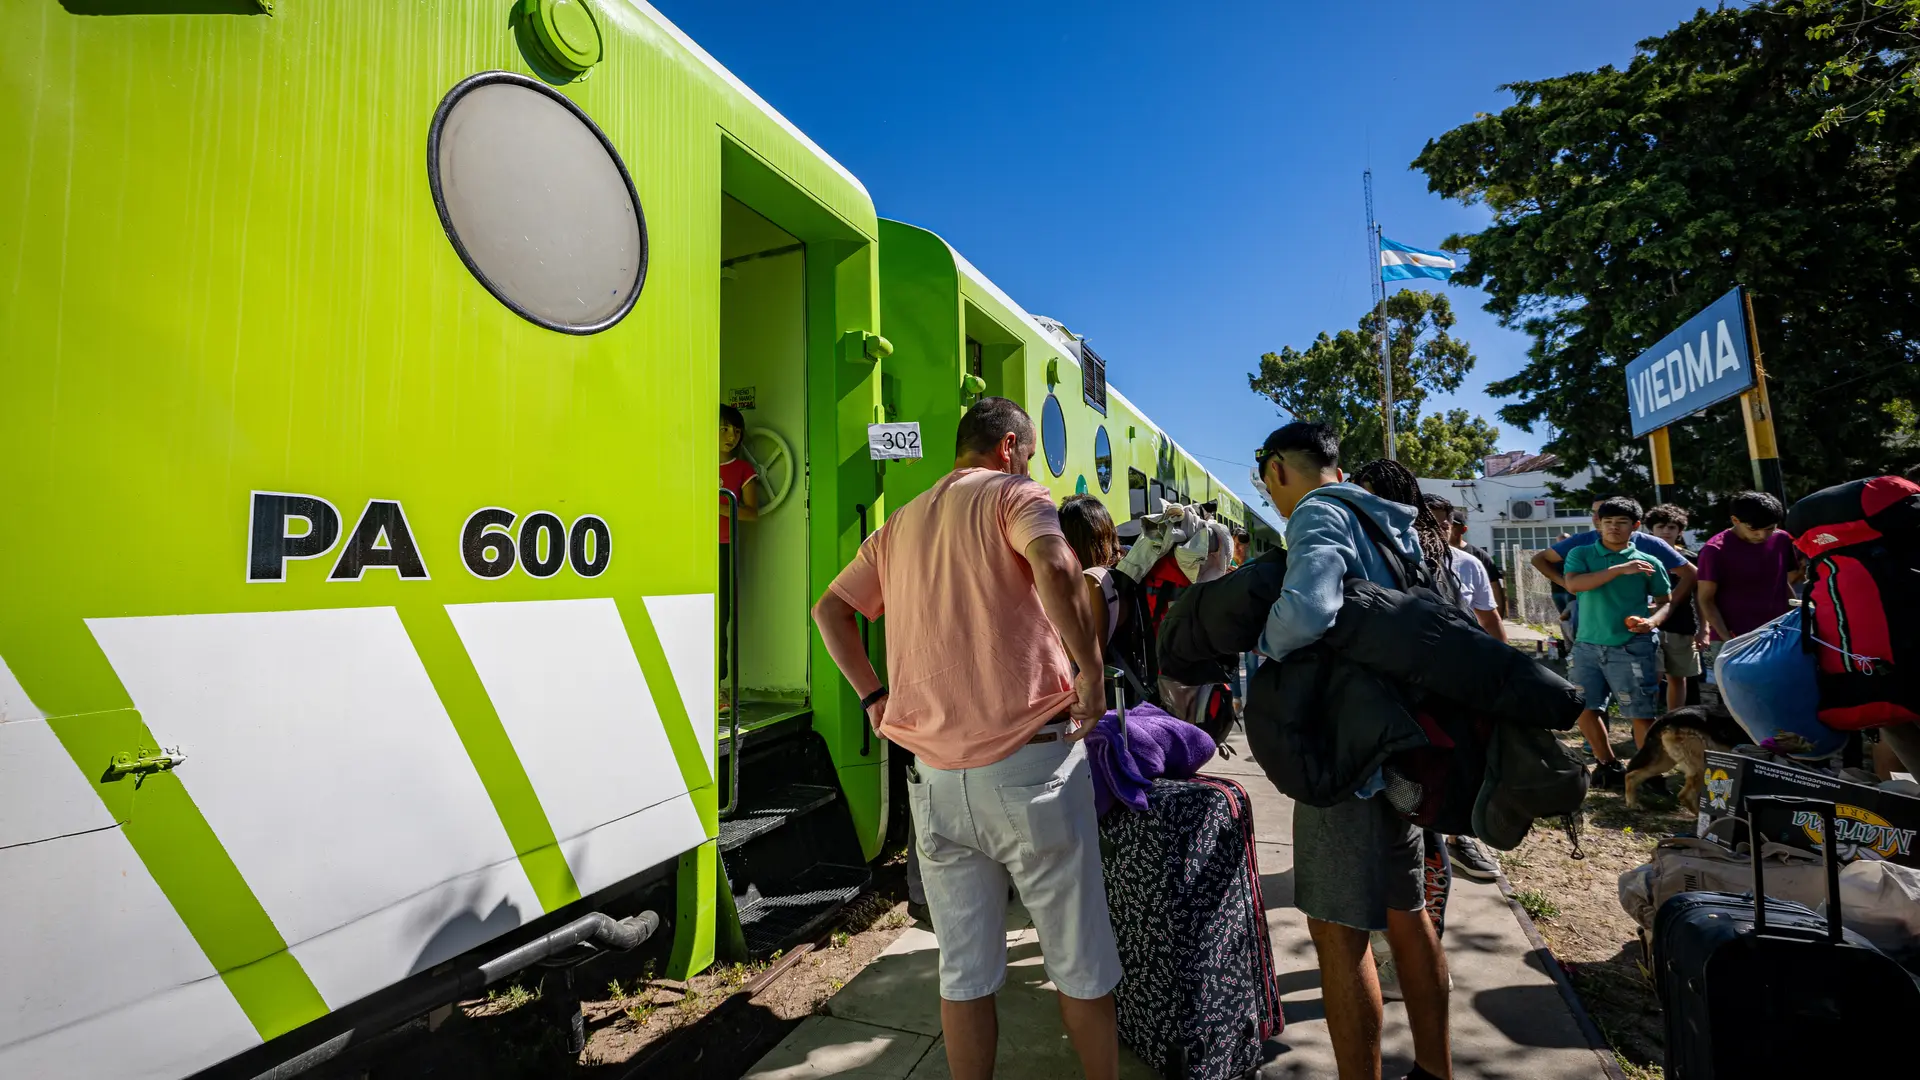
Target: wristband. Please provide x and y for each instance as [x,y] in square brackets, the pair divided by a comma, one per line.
[873,699]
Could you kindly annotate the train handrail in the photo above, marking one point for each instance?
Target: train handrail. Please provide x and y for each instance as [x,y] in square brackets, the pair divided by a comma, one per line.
[732,570]
[866,644]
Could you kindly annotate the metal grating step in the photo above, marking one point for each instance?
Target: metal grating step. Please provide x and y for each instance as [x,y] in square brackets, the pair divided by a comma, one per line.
[773,922]
[766,811]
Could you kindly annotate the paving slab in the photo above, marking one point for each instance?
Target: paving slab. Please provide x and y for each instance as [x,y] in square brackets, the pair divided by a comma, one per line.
[1509,1019]
[823,1046]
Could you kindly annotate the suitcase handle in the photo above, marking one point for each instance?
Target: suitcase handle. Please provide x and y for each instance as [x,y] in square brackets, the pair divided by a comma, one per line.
[1119,700]
[1756,844]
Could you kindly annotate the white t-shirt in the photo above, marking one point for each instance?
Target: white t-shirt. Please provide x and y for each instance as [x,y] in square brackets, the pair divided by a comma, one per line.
[1476,590]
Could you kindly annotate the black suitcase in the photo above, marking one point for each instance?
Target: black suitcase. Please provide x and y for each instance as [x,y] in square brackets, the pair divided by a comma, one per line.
[1760,988]
[1197,998]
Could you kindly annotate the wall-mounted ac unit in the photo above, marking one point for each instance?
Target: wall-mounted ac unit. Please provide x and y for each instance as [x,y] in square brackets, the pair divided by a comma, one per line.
[1531,509]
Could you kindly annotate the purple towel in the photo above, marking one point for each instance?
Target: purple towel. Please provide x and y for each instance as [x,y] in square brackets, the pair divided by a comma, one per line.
[1155,745]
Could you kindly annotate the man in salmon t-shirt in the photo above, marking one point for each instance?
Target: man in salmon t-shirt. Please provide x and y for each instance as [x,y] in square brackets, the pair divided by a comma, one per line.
[974,577]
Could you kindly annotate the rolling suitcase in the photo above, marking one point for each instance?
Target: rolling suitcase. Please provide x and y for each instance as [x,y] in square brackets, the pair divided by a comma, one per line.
[1198,995]
[1759,987]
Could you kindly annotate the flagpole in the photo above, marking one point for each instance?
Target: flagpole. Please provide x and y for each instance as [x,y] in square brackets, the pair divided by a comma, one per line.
[1379,283]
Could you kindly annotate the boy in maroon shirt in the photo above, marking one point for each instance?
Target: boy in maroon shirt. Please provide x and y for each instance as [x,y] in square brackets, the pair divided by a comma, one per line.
[1747,572]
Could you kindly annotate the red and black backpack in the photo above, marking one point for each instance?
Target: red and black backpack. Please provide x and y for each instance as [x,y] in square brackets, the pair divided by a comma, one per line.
[1134,648]
[1860,606]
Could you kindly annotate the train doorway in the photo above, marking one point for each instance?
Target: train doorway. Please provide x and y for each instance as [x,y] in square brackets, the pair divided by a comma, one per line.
[763,375]
[790,847]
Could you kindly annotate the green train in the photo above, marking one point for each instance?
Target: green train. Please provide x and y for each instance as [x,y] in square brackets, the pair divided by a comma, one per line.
[391,337]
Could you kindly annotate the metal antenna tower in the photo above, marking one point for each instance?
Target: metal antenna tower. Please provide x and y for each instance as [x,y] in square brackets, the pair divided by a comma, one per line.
[1379,316]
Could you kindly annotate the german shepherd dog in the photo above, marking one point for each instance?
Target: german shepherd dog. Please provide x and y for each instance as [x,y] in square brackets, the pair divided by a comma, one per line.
[1682,738]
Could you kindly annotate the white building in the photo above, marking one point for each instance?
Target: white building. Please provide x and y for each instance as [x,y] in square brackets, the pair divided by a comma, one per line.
[1510,507]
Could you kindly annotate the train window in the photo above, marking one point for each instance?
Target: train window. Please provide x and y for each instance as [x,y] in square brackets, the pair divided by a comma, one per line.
[537,203]
[1103,458]
[1093,380]
[1053,435]
[1136,493]
[976,358]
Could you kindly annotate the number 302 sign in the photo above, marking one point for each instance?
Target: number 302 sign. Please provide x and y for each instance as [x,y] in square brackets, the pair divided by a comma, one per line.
[894,442]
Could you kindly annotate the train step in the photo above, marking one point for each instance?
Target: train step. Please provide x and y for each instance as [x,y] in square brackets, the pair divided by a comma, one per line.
[764,811]
[772,921]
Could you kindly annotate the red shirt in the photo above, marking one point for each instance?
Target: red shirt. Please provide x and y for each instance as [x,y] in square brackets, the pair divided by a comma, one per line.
[733,477]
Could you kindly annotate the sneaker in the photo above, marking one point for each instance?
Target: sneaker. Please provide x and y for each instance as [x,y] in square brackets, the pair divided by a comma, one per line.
[1471,860]
[1383,966]
[1608,776]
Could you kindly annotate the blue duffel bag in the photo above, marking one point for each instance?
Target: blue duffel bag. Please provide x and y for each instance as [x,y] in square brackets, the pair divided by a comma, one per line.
[1767,680]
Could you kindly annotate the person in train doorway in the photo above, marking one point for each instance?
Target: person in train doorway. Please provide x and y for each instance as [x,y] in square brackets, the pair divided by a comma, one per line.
[985,607]
[1358,866]
[738,476]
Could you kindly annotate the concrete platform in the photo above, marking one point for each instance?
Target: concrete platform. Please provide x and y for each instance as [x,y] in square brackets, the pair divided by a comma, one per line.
[1509,1018]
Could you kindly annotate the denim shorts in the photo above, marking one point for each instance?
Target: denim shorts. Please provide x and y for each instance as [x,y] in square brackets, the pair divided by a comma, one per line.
[1027,818]
[1627,672]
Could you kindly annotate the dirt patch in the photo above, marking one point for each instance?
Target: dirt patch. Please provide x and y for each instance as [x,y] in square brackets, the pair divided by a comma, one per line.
[1576,905]
[726,1023]
[639,1026]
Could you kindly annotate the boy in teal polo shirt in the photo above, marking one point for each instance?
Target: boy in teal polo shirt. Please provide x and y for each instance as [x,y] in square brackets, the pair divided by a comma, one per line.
[1613,651]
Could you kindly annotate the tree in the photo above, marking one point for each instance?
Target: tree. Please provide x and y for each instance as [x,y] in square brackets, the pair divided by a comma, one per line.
[1888,30]
[1336,381]
[1448,446]
[1625,201]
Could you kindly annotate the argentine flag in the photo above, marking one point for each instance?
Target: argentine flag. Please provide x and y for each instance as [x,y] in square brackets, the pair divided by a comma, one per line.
[1398,262]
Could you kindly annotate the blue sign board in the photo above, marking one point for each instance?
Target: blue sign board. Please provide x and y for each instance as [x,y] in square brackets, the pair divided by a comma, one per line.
[1704,362]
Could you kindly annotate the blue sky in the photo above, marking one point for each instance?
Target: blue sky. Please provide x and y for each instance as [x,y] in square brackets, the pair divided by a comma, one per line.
[1180,184]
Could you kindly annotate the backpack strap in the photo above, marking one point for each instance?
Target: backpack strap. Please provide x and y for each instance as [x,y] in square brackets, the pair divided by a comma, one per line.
[1405,576]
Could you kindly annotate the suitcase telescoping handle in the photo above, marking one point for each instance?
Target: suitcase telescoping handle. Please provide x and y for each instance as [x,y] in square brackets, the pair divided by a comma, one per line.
[1114,695]
[1828,842]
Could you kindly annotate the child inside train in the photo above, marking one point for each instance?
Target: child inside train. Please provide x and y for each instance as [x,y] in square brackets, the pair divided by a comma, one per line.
[737,475]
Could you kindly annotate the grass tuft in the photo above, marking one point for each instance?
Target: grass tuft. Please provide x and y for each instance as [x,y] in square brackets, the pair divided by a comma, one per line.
[1537,903]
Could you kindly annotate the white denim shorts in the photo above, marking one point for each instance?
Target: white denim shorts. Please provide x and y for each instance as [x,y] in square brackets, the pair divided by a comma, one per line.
[1027,818]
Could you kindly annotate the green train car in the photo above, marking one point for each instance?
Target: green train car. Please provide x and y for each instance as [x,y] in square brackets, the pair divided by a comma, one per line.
[956,336]
[392,336]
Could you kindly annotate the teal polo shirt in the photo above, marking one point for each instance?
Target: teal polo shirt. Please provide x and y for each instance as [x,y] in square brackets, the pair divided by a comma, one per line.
[1604,611]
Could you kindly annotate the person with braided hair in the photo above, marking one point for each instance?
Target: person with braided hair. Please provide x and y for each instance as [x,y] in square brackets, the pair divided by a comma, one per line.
[1395,482]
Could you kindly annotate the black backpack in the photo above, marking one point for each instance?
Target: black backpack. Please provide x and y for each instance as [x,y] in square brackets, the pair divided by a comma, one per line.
[1133,647]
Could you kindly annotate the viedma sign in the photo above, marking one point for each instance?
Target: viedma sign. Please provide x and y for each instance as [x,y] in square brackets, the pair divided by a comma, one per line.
[1704,362]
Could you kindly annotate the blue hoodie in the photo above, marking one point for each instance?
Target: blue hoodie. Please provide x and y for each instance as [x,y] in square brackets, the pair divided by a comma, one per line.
[1325,546]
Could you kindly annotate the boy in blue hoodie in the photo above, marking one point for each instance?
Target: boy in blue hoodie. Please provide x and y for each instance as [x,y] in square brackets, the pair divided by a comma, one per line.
[1357,865]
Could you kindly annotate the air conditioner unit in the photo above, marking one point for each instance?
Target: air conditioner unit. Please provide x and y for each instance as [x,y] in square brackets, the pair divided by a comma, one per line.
[1540,509]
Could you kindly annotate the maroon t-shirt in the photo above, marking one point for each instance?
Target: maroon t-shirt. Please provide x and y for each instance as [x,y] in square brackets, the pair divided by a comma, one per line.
[1750,580]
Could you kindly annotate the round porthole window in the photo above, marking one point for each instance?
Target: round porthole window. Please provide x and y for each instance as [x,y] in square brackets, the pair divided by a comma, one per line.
[1053,435]
[537,203]
[1103,459]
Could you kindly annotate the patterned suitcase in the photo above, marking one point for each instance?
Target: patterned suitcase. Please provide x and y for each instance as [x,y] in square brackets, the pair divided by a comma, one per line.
[1198,996]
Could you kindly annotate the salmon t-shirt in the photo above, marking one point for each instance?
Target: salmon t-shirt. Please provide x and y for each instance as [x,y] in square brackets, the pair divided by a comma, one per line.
[975,666]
